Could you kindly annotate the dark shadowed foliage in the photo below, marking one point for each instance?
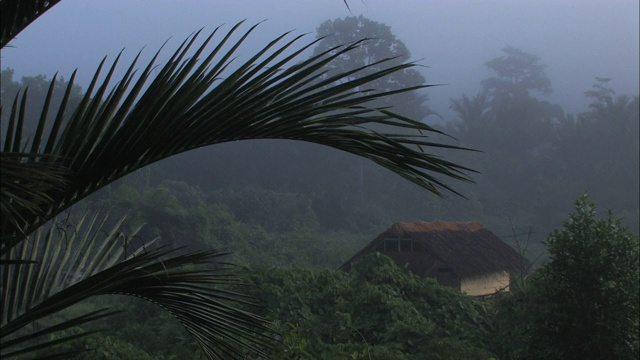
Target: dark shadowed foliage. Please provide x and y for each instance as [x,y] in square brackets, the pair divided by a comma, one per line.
[120,125]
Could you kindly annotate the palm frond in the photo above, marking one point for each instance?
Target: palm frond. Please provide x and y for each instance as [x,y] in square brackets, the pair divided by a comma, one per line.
[192,103]
[73,263]
[34,345]
[15,15]
[25,187]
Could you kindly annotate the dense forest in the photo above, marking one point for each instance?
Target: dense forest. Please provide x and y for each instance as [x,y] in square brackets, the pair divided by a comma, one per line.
[532,159]
[581,304]
[290,213]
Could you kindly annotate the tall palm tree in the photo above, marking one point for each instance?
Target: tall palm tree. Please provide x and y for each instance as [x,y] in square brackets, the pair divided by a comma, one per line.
[472,112]
[195,100]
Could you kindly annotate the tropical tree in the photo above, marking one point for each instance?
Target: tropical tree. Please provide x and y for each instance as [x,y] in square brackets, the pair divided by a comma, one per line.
[472,113]
[513,127]
[582,304]
[379,43]
[38,88]
[602,142]
[517,74]
[196,99]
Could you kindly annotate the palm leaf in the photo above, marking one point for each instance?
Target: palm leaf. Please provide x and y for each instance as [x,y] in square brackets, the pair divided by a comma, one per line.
[75,263]
[192,103]
[33,345]
[29,196]
[15,15]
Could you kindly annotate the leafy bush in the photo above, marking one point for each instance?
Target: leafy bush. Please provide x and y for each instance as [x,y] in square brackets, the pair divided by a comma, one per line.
[377,311]
[584,303]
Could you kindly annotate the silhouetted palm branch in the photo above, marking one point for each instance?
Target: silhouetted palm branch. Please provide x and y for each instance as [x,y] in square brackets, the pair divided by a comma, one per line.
[72,263]
[192,103]
[197,98]
[15,15]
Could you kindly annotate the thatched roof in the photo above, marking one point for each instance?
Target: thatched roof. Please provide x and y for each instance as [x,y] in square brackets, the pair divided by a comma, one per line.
[467,248]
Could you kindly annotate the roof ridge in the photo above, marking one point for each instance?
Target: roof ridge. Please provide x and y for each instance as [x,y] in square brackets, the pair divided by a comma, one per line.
[437,225]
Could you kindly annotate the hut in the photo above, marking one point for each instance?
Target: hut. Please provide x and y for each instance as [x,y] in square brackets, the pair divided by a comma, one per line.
[463,255]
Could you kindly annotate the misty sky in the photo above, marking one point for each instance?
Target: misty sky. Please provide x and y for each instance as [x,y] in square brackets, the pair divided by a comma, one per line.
[578,39]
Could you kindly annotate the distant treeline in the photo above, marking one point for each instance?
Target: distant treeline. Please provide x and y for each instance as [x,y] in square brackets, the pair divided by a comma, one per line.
[532,158]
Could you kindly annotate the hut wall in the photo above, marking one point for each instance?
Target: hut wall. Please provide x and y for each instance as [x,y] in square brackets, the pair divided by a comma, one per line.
[486,285]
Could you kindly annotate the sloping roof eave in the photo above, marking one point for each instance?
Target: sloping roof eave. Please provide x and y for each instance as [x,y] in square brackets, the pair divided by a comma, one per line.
[468,248]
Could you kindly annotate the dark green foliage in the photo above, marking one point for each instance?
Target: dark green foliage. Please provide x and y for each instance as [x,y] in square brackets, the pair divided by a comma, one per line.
[271,210]
[100,347]
[150,329]
[230,220]
[592,279]
[377,310]
[584,303]
[381,311]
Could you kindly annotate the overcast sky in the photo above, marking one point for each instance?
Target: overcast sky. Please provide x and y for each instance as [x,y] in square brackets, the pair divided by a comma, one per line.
[577,39]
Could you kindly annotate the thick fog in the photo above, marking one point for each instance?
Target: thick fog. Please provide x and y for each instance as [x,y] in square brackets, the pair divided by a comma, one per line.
[577,40]
[539,153]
